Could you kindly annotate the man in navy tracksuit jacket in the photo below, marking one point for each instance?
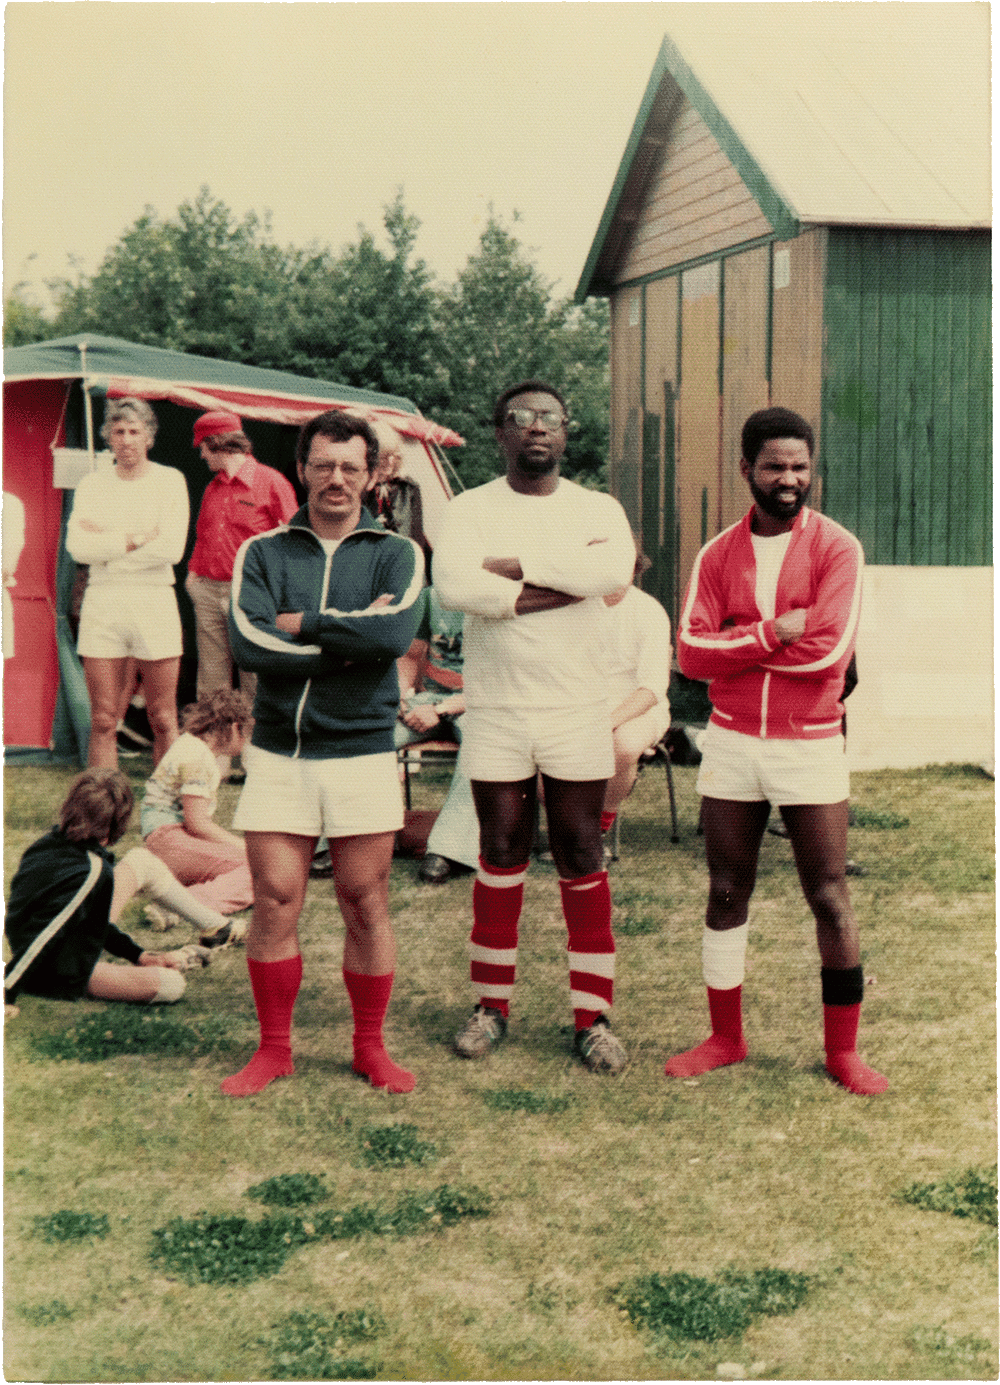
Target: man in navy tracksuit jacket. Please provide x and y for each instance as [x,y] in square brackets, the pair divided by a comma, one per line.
[322,608]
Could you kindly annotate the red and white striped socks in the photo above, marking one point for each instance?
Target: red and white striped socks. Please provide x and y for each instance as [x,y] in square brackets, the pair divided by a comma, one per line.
[497,896]
[586,904]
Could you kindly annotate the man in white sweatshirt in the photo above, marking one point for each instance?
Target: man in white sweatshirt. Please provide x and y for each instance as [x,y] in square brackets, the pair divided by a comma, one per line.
[529,558]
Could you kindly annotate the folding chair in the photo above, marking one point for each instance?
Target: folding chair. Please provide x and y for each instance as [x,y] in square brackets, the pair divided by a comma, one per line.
[424,753]
[655,752]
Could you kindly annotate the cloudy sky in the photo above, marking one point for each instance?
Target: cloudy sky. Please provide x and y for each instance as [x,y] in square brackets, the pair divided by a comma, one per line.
[317,112]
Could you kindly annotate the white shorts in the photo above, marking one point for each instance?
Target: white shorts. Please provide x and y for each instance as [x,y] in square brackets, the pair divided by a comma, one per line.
[504,745]
[749,769]
[117,622]
[351,797]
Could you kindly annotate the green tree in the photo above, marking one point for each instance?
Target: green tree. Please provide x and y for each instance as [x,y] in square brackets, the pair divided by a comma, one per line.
[368,318]
[23,321]
[500,325]
[202,282]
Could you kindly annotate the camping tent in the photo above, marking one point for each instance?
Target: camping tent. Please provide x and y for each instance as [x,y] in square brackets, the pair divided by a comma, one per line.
[53,402]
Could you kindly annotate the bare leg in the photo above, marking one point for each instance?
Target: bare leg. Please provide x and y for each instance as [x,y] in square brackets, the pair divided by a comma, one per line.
[818,833]
[573,812]
[106,680]
[506,815]
[159,681]
[137,984]
[361,867]
[279,864]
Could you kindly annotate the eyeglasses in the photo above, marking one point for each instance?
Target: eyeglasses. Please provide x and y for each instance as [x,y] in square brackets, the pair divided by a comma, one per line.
[324,470]
[550,419]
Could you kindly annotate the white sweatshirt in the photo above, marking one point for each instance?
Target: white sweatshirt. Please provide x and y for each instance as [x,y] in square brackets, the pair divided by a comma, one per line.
[156,500]
[575,541]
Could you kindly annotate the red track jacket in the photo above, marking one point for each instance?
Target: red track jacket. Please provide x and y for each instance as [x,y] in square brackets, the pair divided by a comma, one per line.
[758,685]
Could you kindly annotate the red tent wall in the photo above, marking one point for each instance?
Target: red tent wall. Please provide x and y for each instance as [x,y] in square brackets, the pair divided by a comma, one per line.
[31,413]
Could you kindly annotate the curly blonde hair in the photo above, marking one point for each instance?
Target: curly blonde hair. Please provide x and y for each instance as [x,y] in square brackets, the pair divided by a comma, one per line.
[217,710]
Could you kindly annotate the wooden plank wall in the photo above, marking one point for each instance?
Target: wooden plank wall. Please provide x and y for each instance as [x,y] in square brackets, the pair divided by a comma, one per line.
[662,308]
[698,419]
[797,327]
[907,443]
[626,386]
[744,369]
[697,204]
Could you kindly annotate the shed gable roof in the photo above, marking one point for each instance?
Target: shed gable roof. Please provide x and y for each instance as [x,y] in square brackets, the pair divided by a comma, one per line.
[832,113]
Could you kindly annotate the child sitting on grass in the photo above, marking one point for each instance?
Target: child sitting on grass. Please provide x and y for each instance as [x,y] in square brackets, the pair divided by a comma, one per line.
[178,812]
[67,896]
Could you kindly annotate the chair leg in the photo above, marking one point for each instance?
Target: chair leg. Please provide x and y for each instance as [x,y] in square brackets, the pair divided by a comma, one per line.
[616,836]
[675,835]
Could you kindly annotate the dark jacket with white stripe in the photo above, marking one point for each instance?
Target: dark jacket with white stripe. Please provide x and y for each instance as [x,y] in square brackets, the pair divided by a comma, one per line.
[56,873]
[331,691]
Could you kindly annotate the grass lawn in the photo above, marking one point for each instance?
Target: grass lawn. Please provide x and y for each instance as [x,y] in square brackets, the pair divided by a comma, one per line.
[521,1218]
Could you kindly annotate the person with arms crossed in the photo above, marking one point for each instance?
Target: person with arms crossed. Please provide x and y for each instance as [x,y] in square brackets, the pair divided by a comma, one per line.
[243,498]
[322,608]
[528,557]
[129,525]
[769,620]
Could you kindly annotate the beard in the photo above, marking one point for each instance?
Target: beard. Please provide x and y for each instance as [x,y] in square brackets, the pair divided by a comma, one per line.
[537,466]
[775,508]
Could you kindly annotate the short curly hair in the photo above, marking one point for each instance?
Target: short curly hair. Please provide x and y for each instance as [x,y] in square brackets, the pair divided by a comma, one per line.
[134,411]
[97,807]
[216,710]
[338,426]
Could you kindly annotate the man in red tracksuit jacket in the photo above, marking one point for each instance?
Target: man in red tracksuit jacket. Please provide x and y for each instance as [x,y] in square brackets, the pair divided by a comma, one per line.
[769,621]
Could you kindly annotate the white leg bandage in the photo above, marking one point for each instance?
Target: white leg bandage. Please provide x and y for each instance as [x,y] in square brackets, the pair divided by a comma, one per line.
[171,986]
[156,879]
[723,957]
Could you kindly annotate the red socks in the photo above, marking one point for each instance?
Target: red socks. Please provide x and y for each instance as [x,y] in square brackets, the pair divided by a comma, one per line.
[586,904]
[370,1001]
[726,1045]
[275,986]
[497,896]
[842,993]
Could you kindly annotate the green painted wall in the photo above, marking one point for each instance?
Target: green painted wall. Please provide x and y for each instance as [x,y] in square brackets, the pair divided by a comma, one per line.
[906,446]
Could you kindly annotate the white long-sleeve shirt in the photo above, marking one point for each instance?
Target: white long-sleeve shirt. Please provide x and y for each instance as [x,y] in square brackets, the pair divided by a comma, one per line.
[575,541]
[635,638]
[156,500]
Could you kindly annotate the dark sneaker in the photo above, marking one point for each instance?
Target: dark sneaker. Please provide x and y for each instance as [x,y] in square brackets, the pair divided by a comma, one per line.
[598,1048]
[481,1033]
[233,931]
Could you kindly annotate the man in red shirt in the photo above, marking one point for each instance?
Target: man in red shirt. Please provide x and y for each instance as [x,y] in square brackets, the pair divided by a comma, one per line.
[243,498]
[769,621]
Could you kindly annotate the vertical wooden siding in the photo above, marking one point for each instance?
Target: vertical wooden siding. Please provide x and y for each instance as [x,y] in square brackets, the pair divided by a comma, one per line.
[626,384]
[744,368]
[797,326]
[907,430]
[660,485]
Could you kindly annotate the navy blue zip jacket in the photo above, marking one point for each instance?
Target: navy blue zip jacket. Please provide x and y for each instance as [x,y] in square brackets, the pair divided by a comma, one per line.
[57,918]
[331,691]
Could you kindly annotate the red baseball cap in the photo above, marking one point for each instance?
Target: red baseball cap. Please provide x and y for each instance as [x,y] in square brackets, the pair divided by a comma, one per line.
[218,422]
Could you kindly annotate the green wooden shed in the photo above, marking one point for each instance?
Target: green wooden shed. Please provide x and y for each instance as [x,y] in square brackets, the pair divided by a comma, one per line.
[802,217]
